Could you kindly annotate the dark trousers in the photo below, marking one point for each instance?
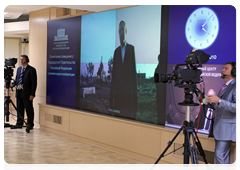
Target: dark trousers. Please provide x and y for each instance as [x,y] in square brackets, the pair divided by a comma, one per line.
[23,103]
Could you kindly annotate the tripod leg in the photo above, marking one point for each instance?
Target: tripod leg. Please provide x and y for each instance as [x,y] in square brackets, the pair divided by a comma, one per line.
[200,149]
[6,110]
[194,151]
[188,132]
[169,145]
[13,104]
[28,126]
[187,147]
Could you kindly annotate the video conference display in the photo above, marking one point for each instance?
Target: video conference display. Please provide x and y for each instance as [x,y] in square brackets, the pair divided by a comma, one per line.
[105,62]
[112,82]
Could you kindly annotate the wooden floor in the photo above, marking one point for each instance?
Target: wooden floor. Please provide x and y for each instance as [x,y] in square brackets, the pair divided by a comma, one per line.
[41,150]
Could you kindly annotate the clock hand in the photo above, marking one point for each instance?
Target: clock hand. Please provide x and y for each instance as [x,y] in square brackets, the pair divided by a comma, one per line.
[205,30]
[207,21]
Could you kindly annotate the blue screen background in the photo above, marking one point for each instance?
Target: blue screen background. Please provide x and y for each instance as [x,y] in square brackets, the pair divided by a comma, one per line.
[224,46]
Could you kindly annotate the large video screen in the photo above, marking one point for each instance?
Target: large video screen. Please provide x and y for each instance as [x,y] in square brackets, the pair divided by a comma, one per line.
[62,57]
[119,54]
[206,28]
[105,62]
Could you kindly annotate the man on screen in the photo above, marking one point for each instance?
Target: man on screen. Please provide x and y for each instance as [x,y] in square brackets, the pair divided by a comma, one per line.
[224,127]
[123,91]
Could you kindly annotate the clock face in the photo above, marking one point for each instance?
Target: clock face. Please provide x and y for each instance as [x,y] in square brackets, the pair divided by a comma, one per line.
[202,28]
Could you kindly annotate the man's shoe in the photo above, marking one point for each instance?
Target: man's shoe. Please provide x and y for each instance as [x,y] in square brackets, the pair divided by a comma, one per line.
[16,127]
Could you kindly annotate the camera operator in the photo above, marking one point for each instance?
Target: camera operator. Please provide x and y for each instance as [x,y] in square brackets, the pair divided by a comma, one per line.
[26,83]
[224,128]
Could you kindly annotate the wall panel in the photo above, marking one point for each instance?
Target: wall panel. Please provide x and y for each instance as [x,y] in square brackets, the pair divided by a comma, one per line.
[135,139]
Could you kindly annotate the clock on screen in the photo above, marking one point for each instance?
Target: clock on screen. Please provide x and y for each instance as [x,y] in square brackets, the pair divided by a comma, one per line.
[202,28]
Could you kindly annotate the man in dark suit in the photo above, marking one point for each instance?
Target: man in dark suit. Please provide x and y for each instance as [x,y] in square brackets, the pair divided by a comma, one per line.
[26,82]
[123,91]
[224,127]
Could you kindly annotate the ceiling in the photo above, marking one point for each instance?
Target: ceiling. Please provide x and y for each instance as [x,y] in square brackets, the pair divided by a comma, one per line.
[17,13]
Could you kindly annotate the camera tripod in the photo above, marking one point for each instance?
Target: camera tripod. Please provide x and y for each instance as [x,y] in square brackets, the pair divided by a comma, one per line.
[7,101]
[188,131]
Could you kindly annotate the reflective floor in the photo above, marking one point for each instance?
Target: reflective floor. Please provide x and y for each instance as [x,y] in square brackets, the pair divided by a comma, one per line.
[41,147]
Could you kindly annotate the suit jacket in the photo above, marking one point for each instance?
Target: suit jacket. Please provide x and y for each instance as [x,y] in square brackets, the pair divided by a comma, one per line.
[29,80]
[224,127]
[123,91]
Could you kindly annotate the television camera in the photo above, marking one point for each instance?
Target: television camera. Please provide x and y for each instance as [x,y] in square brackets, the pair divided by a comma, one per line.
[187,78]
[8,73]
[190,75]
[8,70]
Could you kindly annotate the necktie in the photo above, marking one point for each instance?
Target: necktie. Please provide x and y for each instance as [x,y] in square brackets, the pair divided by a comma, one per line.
[223,87]
[21,75]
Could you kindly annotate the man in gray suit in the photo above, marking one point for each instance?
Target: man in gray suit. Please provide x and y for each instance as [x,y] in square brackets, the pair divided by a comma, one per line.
[224,128]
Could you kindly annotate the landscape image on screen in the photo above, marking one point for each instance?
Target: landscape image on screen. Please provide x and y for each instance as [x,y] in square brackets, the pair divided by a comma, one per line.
[114,83]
